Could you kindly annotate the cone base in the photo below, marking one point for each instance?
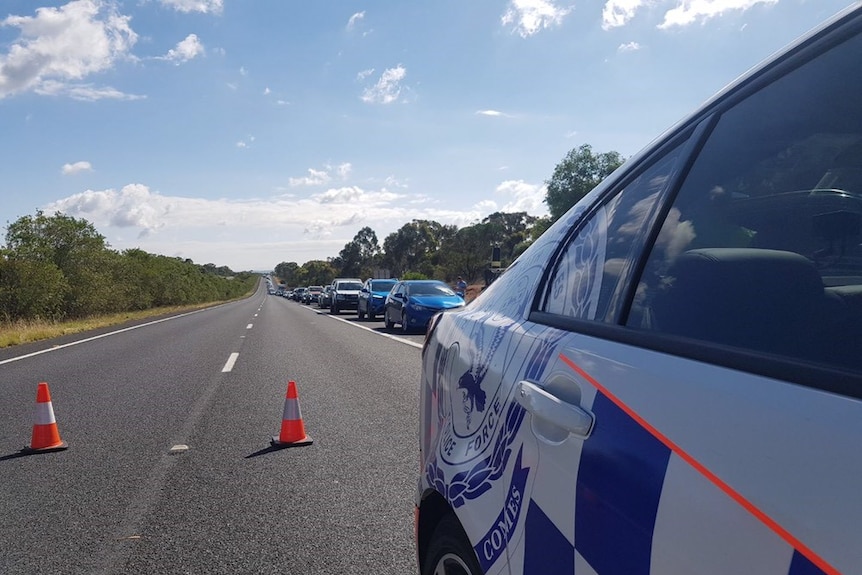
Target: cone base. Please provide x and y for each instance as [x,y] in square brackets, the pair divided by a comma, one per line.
[59,447]
[299,443]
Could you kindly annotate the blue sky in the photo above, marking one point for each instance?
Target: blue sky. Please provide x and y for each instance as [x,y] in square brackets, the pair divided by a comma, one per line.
[251,132]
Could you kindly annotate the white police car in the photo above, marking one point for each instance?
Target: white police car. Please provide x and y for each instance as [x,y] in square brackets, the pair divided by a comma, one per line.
[669,381]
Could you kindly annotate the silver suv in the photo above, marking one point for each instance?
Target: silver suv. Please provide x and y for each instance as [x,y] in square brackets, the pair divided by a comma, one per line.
[344,294]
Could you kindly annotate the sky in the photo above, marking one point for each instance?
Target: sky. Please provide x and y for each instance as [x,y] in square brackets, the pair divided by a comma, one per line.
[245,133]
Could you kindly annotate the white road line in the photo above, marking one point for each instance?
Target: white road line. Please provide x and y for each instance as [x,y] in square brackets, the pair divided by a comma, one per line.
[249,326]
[230,363]
[57,347]
[374,331]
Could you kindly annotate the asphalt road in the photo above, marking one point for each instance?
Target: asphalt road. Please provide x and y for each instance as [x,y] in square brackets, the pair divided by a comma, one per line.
[118,501]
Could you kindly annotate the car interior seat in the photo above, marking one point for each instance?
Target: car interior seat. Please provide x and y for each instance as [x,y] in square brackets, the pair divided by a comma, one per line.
[758,299]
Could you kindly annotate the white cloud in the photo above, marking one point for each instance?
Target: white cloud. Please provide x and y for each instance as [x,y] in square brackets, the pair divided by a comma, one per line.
[388,88]
[133,206]
[83,92]
[64,44]
[526,197]
[343,170]
[620,12]
[364,74]
[528,17]
[629,47]
[393,182]
[239,233]
[246,142]
[69,169]
[691,11]
[321,177]
[203,6]
[314,178]
[493,113]
[187,49]
[351,195]
[354,19]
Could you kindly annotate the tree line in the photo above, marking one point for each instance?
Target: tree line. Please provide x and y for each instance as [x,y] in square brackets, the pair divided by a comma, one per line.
[423,249]
[55,267]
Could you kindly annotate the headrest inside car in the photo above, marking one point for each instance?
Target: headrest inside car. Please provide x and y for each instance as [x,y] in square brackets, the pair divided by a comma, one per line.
[756,298]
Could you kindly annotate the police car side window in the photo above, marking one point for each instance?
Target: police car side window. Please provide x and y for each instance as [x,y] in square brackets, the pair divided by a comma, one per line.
[762,248]
[588,272]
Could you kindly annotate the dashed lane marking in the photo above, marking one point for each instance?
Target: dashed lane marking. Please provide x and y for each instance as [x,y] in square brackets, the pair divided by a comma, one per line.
[230,363]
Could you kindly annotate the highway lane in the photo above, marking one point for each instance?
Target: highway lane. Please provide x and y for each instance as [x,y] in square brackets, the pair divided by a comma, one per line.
[117,501]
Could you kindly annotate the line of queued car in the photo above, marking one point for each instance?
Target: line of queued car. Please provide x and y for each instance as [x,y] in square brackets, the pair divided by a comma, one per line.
[407,304]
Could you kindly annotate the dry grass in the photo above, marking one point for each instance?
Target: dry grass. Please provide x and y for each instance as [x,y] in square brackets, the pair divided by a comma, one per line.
[22,332]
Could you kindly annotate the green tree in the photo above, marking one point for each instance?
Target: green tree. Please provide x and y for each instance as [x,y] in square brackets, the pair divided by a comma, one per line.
[578,173]
[56,267]
[288,273]
[359,256]
[74,247]
[468,252]
[415,247]
[31,290]
[317,273]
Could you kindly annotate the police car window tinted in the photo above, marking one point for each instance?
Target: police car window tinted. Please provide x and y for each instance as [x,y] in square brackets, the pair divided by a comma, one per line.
[588,272]
[762,248]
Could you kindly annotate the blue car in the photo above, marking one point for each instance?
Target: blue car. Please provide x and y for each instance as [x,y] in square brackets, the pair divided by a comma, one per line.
[412,303]
[372,297]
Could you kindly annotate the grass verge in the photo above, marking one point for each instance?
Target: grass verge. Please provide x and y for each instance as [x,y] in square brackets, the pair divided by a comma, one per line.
[22,332]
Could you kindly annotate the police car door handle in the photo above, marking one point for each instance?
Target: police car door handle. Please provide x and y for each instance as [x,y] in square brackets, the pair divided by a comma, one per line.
[551,408]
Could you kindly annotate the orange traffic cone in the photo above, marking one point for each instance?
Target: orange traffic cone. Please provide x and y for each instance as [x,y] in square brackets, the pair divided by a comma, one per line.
[292,429]
[46,436]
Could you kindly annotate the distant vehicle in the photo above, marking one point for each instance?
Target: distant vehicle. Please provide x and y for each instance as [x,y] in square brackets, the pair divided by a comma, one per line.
[372,297]
[344,294]
[412,303]
[669,380]
[311,294]
[323,300]
[297,294]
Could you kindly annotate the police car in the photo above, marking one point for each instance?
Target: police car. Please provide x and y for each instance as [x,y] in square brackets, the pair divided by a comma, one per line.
[669,381]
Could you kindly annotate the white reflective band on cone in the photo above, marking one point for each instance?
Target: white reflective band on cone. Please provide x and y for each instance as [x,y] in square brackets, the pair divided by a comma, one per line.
[291,410]
[44,414]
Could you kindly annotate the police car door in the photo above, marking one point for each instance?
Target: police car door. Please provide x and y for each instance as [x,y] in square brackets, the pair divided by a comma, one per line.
[579,291]
[726,410]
